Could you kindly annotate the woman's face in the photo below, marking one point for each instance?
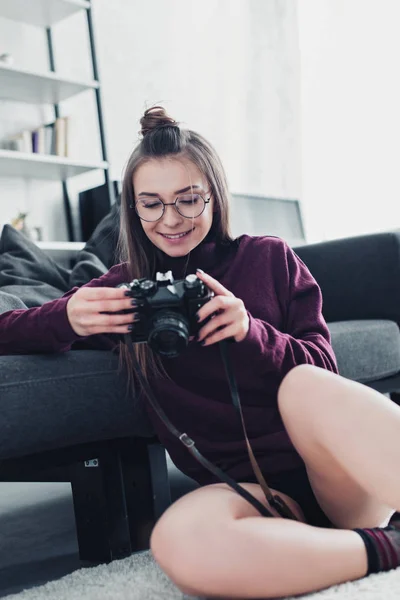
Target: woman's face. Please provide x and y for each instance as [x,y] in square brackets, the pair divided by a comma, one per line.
[167,179]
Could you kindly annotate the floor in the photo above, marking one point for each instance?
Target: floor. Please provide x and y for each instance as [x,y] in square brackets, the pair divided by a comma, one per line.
[37,535]
[37,531]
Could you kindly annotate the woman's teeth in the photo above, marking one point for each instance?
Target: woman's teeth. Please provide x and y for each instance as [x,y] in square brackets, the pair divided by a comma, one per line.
[176,236]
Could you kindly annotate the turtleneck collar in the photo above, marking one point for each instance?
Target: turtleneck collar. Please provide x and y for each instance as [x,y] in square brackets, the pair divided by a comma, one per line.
[209,255]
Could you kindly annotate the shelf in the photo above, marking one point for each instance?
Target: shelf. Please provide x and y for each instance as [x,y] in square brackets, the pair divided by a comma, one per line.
[61,250]
[47,88]
[38,88]
[42,13]
[40,166]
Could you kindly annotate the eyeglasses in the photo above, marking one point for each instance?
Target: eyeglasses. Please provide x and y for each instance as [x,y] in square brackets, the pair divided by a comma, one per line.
[189,206]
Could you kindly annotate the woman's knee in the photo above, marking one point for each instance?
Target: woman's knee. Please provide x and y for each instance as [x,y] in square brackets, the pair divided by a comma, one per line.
[185,534]
[193,539]
[168,547]
[302,387]
[291,390]
[172,530]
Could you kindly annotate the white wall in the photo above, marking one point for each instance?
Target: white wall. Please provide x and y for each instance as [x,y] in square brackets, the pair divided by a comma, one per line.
[227,68]
[350,116]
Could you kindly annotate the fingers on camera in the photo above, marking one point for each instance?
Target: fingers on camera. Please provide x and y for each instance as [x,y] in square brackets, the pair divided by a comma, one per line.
[135,318]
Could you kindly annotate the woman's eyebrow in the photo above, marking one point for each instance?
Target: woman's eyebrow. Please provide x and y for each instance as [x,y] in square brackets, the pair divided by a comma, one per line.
[186,189]
[189,187]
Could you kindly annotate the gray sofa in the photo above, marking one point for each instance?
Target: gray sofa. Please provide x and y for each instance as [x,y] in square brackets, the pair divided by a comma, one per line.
[68,417]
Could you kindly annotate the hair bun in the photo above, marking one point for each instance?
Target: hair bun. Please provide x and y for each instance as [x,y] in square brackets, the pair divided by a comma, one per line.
[155,118]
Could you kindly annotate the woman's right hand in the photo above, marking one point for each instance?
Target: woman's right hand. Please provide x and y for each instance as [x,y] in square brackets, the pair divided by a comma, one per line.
[88,307]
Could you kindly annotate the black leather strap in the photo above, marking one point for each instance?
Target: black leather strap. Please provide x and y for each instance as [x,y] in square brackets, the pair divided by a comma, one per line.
[275,501]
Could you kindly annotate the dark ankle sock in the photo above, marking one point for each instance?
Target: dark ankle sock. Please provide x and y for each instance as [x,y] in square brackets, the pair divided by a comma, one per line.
[383,547]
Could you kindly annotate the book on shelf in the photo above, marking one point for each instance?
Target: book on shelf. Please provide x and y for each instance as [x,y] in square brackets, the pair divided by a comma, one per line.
[61,136]
[22,142]
[50,139]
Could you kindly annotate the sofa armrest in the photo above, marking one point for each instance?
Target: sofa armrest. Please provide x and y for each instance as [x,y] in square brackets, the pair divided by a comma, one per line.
[359,276]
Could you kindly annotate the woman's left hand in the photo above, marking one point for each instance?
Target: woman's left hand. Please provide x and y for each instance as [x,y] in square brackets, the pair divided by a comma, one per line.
[231,319]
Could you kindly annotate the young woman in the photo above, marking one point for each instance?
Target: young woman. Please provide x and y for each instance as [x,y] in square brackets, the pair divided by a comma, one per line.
[327,446]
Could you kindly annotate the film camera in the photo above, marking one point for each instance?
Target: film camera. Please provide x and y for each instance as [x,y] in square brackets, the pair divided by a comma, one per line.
[167,311]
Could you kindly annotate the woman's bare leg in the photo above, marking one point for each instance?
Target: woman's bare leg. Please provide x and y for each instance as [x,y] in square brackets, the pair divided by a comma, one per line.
[213,543]
[349,438]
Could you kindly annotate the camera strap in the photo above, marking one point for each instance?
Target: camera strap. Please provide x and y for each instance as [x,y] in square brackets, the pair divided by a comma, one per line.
[274,500]
[277,503]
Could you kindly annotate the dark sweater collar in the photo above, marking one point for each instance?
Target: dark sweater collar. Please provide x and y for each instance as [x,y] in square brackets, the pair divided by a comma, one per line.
[211,256]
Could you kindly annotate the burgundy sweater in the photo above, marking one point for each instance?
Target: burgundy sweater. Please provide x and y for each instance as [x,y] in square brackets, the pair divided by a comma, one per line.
[286,329]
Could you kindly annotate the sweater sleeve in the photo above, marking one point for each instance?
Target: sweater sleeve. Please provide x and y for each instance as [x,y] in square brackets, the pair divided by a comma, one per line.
[46,328]
[305,338]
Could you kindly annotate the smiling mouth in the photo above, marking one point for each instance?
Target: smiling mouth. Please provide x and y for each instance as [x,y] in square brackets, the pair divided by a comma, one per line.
[176,236]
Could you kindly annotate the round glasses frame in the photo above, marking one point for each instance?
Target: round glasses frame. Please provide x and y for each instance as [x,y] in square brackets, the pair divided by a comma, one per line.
[206,201]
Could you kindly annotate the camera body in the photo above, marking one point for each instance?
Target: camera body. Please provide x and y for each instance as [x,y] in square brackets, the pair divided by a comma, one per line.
[167,311]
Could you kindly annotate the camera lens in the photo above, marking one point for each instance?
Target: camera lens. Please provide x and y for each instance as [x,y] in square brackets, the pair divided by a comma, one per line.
[169,333]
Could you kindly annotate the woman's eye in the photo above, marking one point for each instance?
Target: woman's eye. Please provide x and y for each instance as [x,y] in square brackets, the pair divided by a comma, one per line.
[151,204]
[189,200]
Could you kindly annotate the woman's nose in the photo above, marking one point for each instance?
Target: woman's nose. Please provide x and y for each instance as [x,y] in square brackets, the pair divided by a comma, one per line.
[171,217]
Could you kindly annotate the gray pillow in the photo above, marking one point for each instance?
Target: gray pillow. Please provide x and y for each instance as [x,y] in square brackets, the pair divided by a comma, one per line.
[9,302]
[27,274]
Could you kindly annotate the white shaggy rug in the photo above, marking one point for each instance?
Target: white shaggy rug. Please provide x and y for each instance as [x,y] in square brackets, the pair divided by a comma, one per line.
[139,578]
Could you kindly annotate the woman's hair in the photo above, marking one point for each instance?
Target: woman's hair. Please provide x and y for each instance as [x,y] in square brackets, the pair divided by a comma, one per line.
[162,137]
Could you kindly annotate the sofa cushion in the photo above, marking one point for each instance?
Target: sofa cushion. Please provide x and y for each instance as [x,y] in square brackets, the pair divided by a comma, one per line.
[366,350]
